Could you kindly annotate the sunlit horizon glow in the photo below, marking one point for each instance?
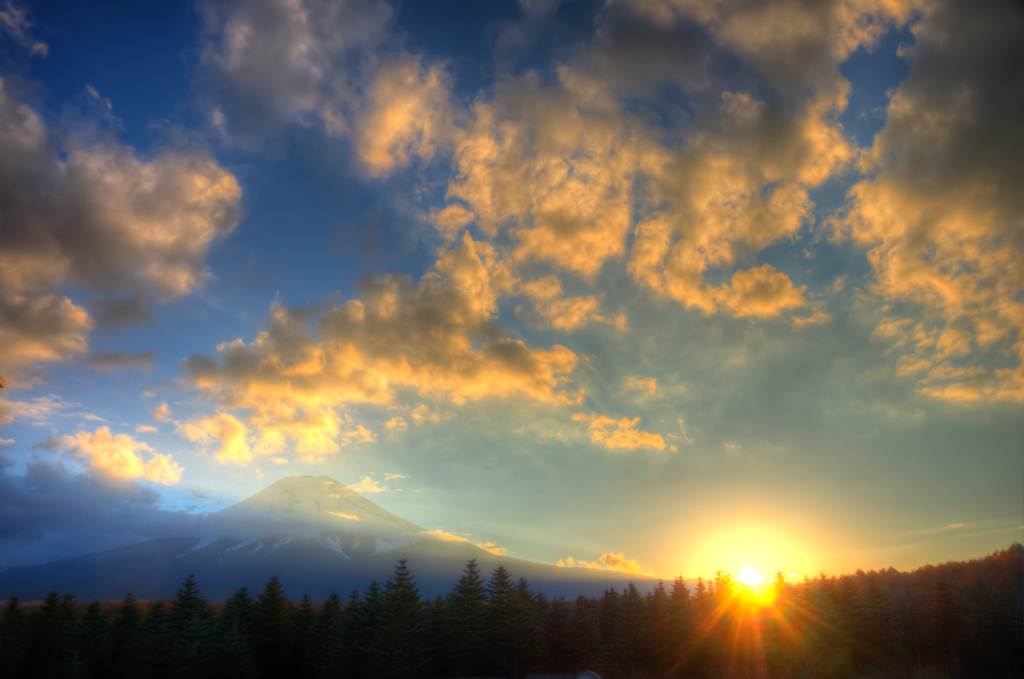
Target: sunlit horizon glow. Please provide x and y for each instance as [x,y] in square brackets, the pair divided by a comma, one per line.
[663,286]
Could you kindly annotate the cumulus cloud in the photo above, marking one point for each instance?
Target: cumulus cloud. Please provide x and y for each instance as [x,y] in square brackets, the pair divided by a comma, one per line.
[118,456]
[407,116]
[368,485]
[224,428]
[162,412]
[619,434]
[92,213]
[607,562]
[98,215]
[434,338]
[34,329]
[940,213]
[271,62]
[556,310]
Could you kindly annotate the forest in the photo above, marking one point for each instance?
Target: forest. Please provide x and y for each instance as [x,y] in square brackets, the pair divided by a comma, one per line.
[956,620]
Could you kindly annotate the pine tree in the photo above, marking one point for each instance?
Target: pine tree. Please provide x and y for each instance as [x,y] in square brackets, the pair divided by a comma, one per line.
[126,638]
[234,637]
[400,650]
[500,643]
[193,650]
[272,629]
[467,615]
[47,640]
[13,633]
[156,639]
[323,652]
[92,644]
[302,621]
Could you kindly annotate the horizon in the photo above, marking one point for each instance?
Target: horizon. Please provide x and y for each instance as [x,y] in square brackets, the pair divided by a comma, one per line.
[645,286]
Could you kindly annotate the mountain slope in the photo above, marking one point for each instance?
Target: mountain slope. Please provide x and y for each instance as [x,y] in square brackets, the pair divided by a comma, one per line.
[315,534]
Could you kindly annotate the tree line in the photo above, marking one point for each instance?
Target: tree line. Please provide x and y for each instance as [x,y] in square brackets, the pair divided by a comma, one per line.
[957,620]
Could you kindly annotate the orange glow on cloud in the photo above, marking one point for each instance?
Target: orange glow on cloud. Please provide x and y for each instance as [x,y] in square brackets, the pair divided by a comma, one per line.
[621,434]
[118,456]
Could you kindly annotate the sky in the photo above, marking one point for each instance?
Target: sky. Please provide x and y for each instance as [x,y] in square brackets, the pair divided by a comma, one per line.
[663,286]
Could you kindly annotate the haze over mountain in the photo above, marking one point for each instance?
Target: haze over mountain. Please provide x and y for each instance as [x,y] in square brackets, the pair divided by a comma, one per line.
[315,534]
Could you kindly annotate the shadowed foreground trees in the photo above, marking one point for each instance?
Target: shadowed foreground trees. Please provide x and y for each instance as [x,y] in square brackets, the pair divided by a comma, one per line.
[957,620]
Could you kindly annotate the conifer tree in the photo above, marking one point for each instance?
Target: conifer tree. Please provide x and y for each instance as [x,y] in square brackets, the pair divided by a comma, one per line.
[156,640]
[47,639]
[126,638]
[234,637]
[322,649]
[193,650]
[92,644]
[400,650]
[467,615]
[12,631]
[302,621]
[271,629]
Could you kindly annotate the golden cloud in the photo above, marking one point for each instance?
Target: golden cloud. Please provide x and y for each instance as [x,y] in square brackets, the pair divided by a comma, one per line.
[408,116]
[941,216]
[43,328]
[565,313]
[619,435]
[368,485]
[117,456]
[223,427]
[607,562]
[435,338]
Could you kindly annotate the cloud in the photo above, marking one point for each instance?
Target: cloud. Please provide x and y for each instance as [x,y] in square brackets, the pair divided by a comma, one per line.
[222,427]
[435,338]
[38,410]
[15,24]
[389,477]
[162,412]
[146,429]
[762,292]
[552,166]
[397,424]
[452,537]
[86,211]
[34,329]
[266,63]
[408,115]
[607,562]
[368,485]
[939,212]
[95,214]
[52,513]
[648,386]
[105,360]
[565,313]
[116,456]
[619,435]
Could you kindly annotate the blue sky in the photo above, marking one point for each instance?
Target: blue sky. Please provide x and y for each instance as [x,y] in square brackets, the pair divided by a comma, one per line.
[658,285]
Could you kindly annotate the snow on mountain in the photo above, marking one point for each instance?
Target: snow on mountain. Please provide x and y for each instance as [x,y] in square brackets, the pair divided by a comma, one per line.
[315,534]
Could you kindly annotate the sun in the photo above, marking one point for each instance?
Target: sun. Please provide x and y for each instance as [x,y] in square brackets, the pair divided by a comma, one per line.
[750,577]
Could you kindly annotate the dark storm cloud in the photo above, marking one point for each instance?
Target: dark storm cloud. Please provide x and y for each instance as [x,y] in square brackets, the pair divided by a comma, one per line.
[52,512]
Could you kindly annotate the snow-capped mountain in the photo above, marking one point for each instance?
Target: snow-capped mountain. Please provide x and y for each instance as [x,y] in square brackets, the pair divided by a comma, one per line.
[315,534]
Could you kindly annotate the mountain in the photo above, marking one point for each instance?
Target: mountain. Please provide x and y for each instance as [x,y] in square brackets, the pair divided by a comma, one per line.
[315,534]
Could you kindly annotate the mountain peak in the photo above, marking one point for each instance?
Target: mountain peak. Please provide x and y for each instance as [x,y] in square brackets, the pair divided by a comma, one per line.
[319,499]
